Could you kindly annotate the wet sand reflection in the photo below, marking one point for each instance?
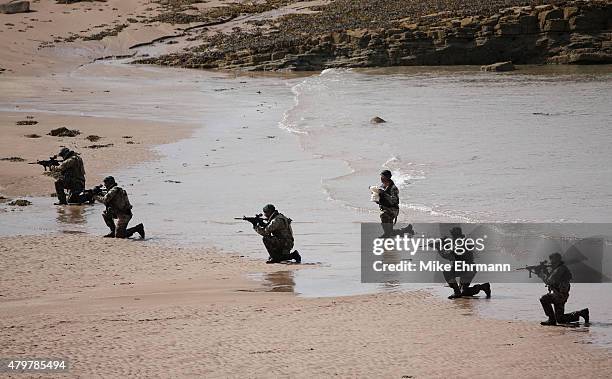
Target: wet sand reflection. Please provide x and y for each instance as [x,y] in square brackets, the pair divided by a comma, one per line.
[71,214]
[279,281]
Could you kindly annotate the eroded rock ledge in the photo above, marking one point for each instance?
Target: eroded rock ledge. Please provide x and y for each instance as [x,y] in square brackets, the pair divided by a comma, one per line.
[570,32]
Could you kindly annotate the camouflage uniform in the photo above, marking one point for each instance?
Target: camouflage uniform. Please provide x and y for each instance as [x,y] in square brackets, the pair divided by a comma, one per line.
[117,207]
[558,282]
[389,208]
[277,237]
[462,288]
[465,277]
[71,177]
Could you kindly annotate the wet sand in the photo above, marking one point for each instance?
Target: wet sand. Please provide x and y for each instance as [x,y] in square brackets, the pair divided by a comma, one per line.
[128,308]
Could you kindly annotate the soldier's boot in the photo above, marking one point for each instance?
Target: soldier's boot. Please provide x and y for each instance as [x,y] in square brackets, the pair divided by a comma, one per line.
[110,235]
[141,230]
[296,255]
[457,291]
[135,229]
[273,260]
[130,231]
[486,287]
[585,315]
[466,290]
[549,322]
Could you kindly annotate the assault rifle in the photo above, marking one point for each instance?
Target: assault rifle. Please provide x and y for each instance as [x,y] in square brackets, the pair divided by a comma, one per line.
[258,220]
[88,195]
[542,267]
[48,164]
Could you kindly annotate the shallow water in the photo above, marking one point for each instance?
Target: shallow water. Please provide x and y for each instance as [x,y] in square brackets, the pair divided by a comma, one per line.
[528,146]
[463,146]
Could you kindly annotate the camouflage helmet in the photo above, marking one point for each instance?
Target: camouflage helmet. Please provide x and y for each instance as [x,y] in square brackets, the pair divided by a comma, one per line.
[64,151]
[109,180]
[556,255]
[386,174]
[269,208]
[456,232]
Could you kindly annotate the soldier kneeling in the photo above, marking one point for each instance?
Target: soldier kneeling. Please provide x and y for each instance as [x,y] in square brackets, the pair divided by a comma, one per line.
[558,282]
[118,208]
[278,236]
[70,176]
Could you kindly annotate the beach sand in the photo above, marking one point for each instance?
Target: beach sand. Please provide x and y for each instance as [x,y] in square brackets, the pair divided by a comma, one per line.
[34,43]
[118,308]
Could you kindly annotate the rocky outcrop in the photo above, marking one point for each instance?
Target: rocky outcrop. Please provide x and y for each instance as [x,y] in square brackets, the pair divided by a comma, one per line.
[575,32]
[498,67]
[14,6]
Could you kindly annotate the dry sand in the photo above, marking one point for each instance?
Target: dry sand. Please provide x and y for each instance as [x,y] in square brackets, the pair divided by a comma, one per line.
[117,308]
[28,40]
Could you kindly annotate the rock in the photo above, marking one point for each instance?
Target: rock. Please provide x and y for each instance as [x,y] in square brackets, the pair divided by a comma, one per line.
[26,122]
[588,20]
[377,120]
[498,67]
[549,15]
[20,203]
[541,8]
[93,138]
[277,55]
[14,6]
[468,21]
[32,136]
[99,146]
[570,12]
[556,25]
[13,159]
[64,132]
[508,28]
[357,33]
[409,25]
[529,24]
[583,57]
[523,34]
[591,58]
